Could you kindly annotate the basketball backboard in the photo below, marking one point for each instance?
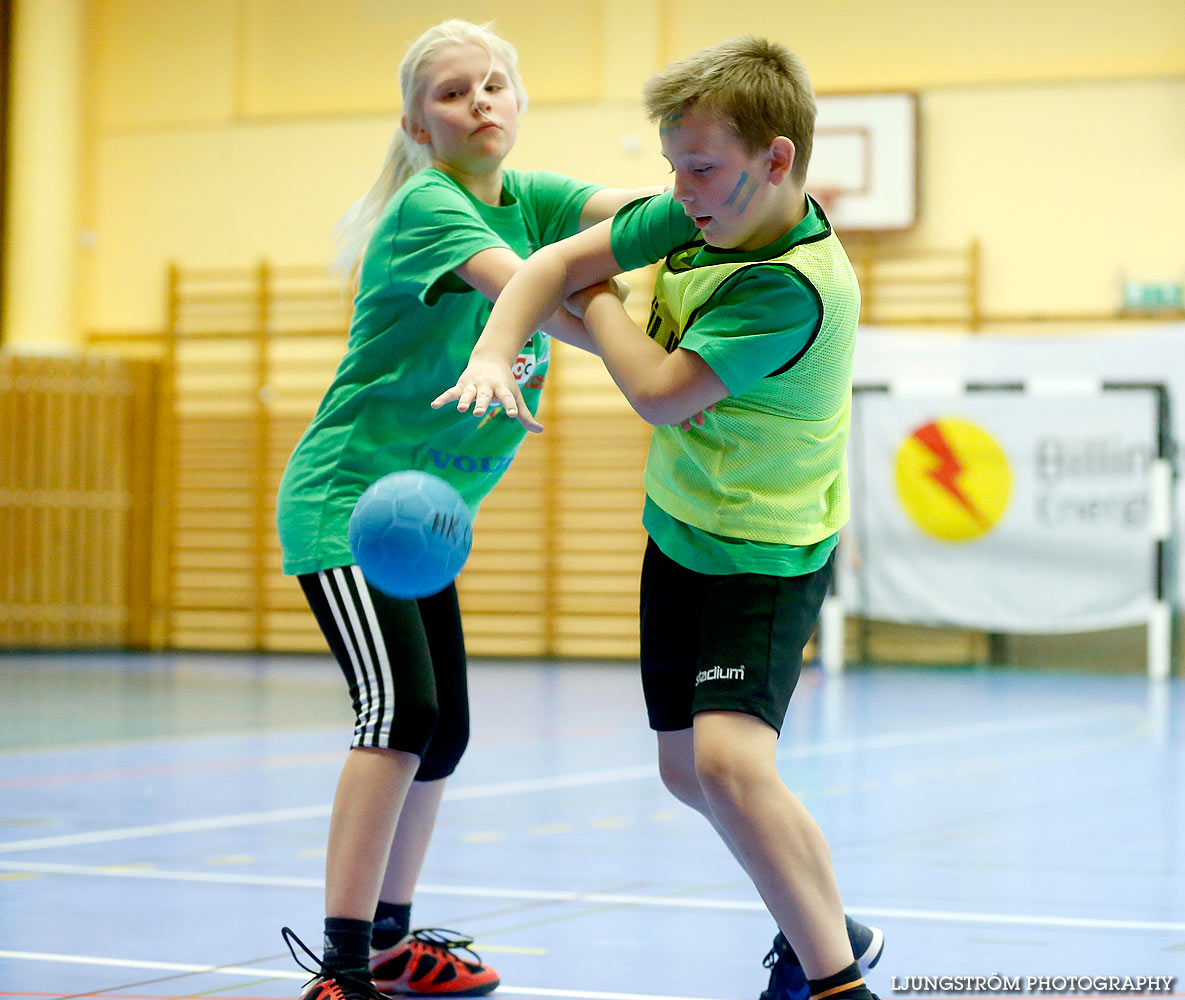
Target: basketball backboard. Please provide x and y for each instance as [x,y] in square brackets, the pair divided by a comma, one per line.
[864,165]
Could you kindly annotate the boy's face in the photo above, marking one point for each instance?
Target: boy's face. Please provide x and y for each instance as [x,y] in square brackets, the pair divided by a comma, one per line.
[723,187]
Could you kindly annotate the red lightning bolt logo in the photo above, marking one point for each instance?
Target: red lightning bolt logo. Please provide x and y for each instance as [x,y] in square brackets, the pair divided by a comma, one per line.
[948,470]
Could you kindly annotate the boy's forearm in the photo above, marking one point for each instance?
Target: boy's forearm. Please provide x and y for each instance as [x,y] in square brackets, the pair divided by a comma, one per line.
[631,358]
[562,325]
[533,294]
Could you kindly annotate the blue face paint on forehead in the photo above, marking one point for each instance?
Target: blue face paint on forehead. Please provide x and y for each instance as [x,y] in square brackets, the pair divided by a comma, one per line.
[670,123]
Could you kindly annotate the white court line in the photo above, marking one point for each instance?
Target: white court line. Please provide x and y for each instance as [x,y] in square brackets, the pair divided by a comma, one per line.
[940,734]
[601,898]
[159,829]
[164,875]
[256,973]
[490,790]
[134,963]
[494,789]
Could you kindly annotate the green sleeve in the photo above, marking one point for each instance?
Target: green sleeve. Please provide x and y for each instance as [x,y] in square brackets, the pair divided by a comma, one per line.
[648,229]
[759,322]
[551,203]
[427,233]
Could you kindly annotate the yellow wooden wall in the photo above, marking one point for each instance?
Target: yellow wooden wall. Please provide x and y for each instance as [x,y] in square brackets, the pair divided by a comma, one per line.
[167,62]
[218,133]
[139,498]
[223,132]
[77,442]
[246,356]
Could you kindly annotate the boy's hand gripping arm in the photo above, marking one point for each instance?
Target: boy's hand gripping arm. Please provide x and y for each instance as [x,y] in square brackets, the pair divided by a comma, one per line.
[538,288]
[664,389]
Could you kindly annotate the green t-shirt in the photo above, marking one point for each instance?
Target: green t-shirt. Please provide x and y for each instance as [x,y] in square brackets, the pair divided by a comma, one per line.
[762,320]
[414,325]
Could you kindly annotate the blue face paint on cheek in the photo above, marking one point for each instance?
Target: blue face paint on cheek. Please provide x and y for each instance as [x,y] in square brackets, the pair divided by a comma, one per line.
[748,196]
[736,191]
[743,193]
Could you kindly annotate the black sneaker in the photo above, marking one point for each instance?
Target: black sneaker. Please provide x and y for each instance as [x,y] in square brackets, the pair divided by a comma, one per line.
[868,943]
[331,984]
[787,981]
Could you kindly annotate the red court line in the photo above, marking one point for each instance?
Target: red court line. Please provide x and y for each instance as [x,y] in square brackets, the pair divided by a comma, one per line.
[100,995]
[918,996]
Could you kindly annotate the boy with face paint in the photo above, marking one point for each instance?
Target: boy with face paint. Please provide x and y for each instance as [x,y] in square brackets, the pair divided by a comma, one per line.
[754,321]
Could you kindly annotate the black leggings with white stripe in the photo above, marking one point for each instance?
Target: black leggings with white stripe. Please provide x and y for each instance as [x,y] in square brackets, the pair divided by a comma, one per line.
[404,662]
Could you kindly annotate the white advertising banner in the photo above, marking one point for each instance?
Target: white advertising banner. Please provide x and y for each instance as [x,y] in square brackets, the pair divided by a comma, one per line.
[1006,511]
[1123,353]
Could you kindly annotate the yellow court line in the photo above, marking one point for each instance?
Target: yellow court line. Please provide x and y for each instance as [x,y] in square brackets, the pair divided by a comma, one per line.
[611,822]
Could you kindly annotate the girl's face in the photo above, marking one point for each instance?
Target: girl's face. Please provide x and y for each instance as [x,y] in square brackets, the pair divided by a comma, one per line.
[468,113]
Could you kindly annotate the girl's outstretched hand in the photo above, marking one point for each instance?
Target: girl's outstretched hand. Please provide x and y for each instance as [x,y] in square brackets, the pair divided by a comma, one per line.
[485,384]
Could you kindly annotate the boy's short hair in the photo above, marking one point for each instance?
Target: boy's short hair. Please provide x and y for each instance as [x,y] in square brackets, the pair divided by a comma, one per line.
[760,88]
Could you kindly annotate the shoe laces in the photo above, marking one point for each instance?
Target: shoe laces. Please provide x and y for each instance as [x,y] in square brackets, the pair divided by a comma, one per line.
[770,960]
[445,941]
[777,950]
[773,959]
[353,987]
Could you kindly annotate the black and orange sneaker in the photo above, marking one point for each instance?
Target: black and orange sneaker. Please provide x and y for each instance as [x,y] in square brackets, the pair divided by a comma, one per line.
[787,981]
[338,986]
[423,964]
[330,984]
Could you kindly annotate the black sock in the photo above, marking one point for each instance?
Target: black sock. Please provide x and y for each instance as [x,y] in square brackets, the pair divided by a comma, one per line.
[392,921]
[847,984]
[347,945]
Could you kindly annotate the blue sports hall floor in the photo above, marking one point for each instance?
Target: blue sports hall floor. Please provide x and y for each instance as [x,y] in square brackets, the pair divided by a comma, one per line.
[162,816]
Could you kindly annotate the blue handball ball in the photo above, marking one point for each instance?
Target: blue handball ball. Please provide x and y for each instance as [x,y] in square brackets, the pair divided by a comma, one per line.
[410,534]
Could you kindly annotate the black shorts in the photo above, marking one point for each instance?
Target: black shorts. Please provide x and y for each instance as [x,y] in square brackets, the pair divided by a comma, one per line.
[404,662]
[731,643]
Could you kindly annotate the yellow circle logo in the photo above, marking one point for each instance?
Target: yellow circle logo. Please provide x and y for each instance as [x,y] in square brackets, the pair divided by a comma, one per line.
[953,479]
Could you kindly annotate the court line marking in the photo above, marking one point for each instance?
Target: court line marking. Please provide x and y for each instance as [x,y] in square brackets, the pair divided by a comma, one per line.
[579,779]
[237,970]
[169,770]
[158,829]
[133,963]
[604,898]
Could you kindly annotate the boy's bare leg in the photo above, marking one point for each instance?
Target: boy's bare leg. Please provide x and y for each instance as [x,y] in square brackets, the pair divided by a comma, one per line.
[782,847]
[366,807]
[676,766]
[412,837]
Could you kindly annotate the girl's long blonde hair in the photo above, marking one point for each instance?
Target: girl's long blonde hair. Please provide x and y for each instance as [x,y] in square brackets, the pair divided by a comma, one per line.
[405,156]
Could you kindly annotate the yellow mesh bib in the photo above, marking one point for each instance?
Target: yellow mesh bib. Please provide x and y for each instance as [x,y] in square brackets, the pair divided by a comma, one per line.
[769,464]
